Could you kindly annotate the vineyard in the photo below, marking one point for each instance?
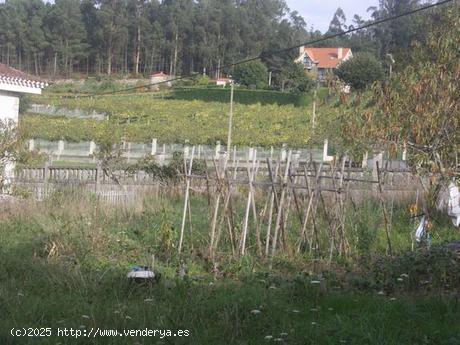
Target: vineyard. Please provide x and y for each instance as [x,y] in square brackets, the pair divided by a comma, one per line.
[141,117]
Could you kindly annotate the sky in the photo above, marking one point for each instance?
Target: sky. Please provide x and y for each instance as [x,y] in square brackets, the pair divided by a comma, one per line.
[319,13]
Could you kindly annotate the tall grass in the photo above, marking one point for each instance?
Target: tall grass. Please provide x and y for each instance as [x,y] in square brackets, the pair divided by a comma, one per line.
[64,263]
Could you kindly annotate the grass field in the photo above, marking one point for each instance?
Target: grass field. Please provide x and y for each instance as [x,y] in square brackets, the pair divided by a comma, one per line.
[141,117]
[64,263]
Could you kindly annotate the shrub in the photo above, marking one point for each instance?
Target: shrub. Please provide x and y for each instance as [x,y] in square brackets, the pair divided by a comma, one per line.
[251,74]
[360,71]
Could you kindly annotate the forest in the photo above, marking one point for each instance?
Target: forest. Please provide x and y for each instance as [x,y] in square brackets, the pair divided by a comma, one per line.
[131,37]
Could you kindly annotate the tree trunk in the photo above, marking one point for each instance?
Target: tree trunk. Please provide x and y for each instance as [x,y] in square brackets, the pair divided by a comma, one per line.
[110,52]
[66,57]
[55,65]
[138,46]
[109,60]
[175,52]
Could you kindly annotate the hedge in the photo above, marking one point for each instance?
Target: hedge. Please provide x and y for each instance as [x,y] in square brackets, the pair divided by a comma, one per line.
[242,96]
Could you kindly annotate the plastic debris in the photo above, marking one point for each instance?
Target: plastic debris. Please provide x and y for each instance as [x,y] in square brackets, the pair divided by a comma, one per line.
[142,274]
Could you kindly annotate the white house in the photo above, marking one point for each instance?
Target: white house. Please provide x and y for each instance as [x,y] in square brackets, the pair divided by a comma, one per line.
[323,60]
[222,81]
[13,83]
[159,78]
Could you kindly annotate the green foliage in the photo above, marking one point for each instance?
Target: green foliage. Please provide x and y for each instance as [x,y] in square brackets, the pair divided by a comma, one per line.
[418,107]
[360,71]
[88,85]
[431,269]
[253,74]
[170,172]
[293,78]
[31,158]
[121,37]
[166,241]
[24,103]
[139,118]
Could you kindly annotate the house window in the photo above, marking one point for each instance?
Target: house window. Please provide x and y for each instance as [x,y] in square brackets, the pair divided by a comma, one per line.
[307,62]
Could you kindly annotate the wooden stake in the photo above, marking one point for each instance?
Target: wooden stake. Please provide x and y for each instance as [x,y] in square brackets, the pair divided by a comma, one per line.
[272,203]
[248,205]
[384,209]
[280,208]
[187,192]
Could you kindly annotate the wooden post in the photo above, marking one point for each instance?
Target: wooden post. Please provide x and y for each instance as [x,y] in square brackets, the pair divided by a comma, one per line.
[216,211]
[313,195]
[273,200]
[248,204]
[384,209]
[280,208]
[98,177]
[187,192]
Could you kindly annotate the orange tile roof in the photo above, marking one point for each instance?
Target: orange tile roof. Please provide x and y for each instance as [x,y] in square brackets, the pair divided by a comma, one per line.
[326,57]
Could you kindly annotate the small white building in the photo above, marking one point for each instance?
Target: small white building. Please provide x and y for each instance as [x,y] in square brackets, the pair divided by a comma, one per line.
[222,81]
[160,79]
[13,83]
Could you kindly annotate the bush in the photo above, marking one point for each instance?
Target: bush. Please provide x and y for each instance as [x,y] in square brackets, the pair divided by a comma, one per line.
[252,74]
[425,269]
[293,78]
[360,71]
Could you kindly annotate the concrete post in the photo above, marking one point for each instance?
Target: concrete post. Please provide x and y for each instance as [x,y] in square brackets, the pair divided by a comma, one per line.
[128,153]
[92,148]
[378,157]
[326,157]
[404,153]
[186,149]
[153,150]
[61,145]
[218,149]
[283,152]
[250,153]
[31,144]
[60,150]
[365,158]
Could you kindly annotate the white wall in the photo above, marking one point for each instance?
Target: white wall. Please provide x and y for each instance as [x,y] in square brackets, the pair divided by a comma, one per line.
[9,106]
[9,110]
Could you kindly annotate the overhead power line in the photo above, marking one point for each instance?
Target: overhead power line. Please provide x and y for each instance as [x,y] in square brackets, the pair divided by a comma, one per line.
[261,55]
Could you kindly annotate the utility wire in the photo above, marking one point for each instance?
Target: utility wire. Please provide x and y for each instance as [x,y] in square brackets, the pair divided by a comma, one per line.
[261,55]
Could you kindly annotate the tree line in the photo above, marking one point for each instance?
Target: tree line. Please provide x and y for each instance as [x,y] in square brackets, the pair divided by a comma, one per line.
[65,37]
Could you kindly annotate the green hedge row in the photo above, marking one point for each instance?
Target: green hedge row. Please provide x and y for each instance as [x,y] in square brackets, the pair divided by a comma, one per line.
[241,96]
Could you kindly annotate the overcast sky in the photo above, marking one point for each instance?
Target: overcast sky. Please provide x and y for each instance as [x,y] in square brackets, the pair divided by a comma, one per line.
[319,12]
